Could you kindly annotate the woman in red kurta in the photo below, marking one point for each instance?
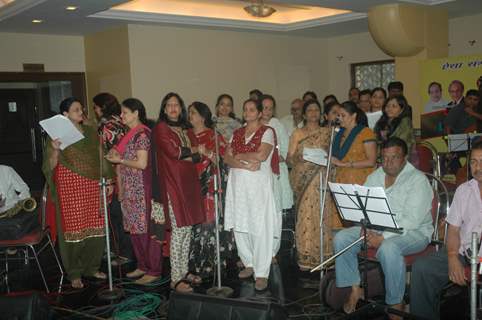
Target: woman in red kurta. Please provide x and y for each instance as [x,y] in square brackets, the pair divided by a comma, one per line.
[202,256]
[177,153]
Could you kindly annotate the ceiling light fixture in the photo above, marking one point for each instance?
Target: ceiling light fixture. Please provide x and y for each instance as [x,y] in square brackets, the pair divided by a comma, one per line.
[259,10]
[71,8]
[37,21]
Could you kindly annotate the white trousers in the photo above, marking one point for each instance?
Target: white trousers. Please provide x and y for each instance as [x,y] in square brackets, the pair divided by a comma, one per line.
[255,252]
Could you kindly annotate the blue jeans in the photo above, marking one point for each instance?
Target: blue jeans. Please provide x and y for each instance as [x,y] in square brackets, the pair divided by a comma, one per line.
[389,254]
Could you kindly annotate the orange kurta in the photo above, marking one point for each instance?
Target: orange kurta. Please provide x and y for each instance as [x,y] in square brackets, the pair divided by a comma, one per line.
[355,175]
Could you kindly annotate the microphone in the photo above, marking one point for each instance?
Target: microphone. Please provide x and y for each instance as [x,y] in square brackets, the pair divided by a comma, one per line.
[335,122]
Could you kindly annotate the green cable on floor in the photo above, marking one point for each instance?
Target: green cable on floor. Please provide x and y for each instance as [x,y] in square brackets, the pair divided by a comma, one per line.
[137,307]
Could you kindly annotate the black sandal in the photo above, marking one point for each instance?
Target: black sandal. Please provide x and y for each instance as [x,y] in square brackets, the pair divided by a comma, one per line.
[193,279]
[176,285]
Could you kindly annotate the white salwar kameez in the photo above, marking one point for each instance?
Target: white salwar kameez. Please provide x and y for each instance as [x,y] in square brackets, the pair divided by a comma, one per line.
[250,211]
[282,189]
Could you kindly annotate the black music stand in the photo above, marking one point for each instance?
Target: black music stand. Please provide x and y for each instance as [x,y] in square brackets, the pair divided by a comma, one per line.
[369,208]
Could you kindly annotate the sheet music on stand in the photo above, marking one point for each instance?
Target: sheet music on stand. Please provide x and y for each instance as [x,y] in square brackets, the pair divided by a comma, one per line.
[461,141]
[374,203]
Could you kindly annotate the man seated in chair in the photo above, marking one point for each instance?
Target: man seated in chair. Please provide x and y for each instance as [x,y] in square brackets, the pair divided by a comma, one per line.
[12,188]
[432,273]
[410,196]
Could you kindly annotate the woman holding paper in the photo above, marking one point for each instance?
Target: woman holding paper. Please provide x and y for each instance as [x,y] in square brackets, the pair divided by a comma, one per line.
[73,177]
[305,181]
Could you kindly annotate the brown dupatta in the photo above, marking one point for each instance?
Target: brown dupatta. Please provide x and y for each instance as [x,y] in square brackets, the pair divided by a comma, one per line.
[305,181]
[83,158]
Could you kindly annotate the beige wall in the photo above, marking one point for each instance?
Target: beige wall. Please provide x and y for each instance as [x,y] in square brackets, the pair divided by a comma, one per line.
[342,52]
[461,31]
[201,64]
[107,63]
[57,53]
[149,61]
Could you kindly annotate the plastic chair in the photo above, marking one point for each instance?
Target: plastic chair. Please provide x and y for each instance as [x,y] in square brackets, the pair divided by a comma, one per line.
[427,159]
[35,242]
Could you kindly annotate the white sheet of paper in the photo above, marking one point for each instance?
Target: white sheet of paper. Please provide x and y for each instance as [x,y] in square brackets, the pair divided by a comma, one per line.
[458,142]
[315,155]
[373,117]
[376,205]
[60,127]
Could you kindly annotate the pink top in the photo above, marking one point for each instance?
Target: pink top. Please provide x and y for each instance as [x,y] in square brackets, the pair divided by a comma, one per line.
[466,213]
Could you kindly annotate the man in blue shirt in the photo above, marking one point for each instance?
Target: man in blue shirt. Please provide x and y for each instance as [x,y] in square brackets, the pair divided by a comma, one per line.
[410,196]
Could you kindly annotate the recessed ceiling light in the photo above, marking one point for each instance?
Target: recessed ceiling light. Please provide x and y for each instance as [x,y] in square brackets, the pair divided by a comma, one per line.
[71,8]
[37,21]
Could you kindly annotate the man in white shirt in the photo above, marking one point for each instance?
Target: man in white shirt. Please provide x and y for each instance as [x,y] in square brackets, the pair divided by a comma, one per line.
[410,197]
[12,188]
[295,119]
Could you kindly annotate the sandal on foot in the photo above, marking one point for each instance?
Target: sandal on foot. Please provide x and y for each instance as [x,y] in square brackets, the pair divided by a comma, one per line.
[77,283]
[246,273]
[184,288]
[99,275]
[135,274]
[193,279]
[146,279]
[261,284]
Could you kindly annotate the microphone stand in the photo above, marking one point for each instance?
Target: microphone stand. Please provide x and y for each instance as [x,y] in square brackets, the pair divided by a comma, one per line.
[324,189]
[111,294]
[218,290]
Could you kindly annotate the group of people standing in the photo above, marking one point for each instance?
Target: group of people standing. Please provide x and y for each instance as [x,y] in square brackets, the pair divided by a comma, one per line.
[175,161]
[258,163]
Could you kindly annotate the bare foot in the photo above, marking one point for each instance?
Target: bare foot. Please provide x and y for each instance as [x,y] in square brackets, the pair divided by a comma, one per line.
[398,306]
[355,295]
[77,283]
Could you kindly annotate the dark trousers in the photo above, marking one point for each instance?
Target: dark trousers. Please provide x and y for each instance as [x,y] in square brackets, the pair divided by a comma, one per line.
[120,240]
[148,254]
[429,277]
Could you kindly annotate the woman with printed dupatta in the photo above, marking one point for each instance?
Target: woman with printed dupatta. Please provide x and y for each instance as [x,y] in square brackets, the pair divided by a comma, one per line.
[305,181]
[133,154]
[73,176]
[202,256]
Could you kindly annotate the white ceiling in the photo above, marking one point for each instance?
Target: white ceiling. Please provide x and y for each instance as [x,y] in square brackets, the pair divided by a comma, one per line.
[94,15]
